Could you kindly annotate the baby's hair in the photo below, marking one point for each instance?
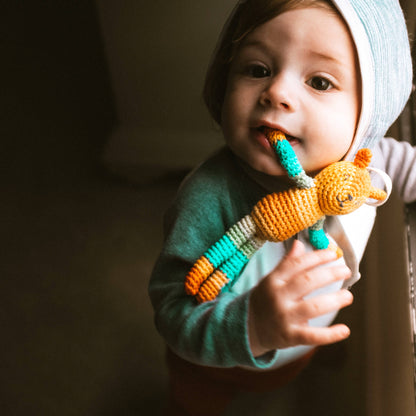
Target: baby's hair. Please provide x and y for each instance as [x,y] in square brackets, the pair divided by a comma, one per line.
[247,16]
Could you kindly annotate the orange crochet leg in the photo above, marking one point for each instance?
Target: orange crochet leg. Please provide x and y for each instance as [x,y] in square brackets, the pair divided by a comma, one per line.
[212,286]
[199,272]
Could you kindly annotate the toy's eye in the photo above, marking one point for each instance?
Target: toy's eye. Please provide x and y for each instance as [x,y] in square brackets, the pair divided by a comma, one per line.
[343,201]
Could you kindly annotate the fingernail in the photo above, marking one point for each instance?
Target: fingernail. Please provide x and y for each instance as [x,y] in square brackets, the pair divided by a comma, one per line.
[346,332]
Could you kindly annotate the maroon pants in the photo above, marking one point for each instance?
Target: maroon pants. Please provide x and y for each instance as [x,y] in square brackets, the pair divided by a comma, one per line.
[201,391]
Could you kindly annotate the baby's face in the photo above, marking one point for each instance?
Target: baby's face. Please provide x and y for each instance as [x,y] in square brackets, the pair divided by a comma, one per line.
[298,73]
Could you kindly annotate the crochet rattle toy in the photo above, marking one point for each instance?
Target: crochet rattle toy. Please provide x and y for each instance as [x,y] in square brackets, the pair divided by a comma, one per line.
[339,189]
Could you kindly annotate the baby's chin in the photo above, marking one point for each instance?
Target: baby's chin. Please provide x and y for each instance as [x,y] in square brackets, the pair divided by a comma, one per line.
[271,169]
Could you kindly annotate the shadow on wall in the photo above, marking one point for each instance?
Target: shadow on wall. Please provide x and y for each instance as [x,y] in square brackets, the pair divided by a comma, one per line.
[57,104]
[158,54]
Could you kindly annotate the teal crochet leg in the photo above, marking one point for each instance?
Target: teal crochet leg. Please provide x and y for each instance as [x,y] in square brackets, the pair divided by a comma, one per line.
[235,265]
[230,242]
[317,236]
[290,163]
[228,273]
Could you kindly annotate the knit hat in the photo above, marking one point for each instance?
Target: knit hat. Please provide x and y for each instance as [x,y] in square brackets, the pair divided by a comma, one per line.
[380,35]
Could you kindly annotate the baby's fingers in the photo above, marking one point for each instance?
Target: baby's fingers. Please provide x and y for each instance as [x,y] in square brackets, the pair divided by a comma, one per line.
[298,261]
[323,304]
[307,335]
[304,283]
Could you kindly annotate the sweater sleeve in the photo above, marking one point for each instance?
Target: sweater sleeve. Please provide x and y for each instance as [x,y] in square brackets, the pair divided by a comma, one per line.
[399,160]
[213,333]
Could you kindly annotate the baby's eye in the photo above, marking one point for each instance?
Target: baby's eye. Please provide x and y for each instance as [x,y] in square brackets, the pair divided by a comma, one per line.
[258,71]
[320,84]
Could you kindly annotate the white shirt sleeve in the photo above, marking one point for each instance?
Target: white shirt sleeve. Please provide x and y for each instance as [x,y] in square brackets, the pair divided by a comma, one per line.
[398,160]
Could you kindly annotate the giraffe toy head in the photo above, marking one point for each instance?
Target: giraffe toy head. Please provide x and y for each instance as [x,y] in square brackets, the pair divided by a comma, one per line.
[343,187]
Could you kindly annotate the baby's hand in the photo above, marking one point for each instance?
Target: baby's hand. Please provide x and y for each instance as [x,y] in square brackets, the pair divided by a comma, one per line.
[278,312]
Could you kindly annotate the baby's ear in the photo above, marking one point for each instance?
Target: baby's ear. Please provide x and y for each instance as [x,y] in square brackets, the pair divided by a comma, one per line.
[362,158]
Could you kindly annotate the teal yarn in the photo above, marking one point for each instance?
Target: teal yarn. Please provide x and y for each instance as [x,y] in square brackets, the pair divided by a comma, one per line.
[229,243]
[288,158]
[221,251]
[318,238]
[233,266]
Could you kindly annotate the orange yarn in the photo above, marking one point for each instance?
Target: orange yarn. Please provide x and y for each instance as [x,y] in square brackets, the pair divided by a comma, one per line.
[212,286]
[279,216]
[274,136]
[197,275]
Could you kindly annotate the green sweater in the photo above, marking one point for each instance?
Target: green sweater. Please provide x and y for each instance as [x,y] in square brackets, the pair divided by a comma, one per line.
[211,199]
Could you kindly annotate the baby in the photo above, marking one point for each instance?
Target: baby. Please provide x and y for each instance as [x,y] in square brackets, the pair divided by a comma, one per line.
[326,74]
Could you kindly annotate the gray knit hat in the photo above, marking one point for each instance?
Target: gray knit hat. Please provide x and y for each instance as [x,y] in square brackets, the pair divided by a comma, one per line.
[380,35]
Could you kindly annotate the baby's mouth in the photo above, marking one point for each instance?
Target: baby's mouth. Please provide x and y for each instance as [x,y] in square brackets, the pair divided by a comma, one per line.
[267,131]
[293,140]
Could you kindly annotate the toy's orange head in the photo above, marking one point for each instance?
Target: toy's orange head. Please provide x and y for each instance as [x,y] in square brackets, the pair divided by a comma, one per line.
[345,186]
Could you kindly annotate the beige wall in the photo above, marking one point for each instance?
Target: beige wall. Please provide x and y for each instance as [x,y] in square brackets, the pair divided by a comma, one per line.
[158,52]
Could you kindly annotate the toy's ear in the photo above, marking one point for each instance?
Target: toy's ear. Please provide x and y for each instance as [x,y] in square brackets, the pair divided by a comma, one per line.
[379,195]
[362,158]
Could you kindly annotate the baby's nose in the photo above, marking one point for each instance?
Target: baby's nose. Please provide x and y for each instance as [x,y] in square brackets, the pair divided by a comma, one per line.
[280,93]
